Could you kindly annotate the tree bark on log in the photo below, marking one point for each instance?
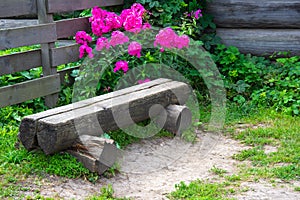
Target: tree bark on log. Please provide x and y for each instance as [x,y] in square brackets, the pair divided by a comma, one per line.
[256,13]
[178,118]
[60,129]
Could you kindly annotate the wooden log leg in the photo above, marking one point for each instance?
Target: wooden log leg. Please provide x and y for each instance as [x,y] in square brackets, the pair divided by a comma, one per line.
[95,153]
[175,118]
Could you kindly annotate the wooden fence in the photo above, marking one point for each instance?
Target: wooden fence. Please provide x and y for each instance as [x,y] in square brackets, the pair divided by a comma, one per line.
[47,33]
[260,27]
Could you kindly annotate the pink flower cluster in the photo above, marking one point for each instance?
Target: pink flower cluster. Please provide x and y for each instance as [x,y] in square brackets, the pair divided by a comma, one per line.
[167,38]
[131,20]
[117,37]
[134,49]
[121,65]
[83,38]
[103,21]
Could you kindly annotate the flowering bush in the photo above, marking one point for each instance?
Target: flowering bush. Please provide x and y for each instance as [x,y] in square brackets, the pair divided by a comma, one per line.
[131,20]
[139,45]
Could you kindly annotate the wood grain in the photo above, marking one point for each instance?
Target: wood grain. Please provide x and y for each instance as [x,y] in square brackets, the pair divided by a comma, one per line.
[65,54]
[262,41]
[95,153]
[55,6]
[256,13]
[16,37]
[69,27]
[175,119]
[21,92]
[11,8]
[14,23]
[18,62]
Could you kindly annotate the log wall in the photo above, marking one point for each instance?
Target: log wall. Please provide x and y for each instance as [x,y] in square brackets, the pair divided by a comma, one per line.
[45,32]
[260,27]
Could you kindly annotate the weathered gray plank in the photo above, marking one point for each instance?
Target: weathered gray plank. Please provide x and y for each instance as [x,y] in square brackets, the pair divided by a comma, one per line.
[28,124]
[69,27]
[20,61]
[256,13]
[21,92]
[44,17]
[14,23]
[44,33]
[11,8]
[65,54]
[55,6]
[262,41]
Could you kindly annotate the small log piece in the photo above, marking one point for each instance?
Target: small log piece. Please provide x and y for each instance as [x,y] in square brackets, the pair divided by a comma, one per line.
[95,153]
[175,119]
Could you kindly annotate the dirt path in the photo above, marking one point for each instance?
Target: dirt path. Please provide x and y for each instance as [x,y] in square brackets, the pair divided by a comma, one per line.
[194,162]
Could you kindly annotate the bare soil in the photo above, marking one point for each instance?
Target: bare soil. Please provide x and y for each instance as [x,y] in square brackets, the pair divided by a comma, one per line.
[151,168]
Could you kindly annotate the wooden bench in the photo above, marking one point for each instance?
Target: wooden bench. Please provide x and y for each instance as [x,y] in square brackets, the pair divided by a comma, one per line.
[72,127]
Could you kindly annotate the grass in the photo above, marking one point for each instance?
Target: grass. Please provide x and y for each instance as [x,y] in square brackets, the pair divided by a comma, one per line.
[201,190]
[281,131]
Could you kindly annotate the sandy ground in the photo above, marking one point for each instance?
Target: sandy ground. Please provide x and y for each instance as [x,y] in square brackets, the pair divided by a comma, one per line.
[151,168]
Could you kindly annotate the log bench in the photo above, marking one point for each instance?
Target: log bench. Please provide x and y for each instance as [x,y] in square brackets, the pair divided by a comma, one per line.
[72,128]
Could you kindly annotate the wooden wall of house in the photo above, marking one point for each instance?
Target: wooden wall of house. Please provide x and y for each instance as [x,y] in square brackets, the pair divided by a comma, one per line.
[260,27]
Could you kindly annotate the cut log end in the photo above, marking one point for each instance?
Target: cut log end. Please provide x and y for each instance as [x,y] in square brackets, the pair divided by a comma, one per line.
[95,153]
[175,119]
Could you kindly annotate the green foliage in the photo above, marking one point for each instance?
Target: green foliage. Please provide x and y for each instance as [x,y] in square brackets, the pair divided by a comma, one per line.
[258,79]
[199,190]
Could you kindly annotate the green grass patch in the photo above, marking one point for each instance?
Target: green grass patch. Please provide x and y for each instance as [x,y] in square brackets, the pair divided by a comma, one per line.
[218,171]
[201,190]
[282,133]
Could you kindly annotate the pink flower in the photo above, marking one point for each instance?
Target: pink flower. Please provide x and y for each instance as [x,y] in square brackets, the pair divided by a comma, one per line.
[134,49]
[117,37]
[121,65]
[133,18]
[182,41]
[103,21]
[82,37]
[138,8]
[197,14]
[167,38]
[146,26]
[85,49]
[144,81]
[102,42]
